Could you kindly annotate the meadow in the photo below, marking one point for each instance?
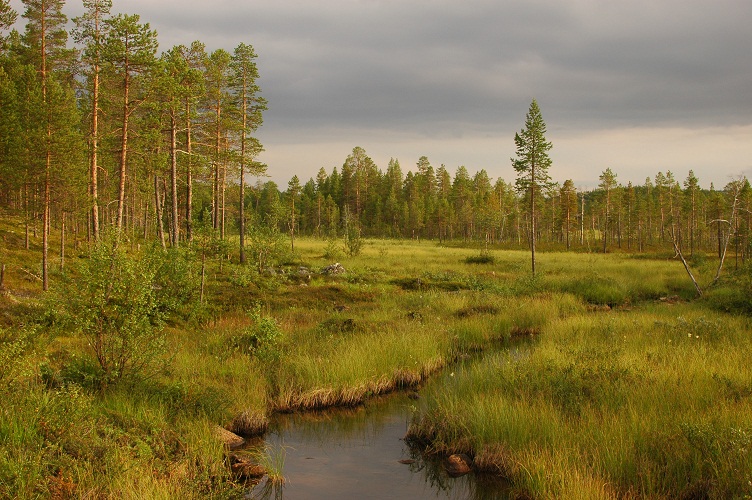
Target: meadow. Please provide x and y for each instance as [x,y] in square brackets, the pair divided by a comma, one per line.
[629,386]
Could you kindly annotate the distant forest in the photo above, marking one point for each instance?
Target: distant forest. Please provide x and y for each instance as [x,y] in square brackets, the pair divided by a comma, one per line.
[107,133]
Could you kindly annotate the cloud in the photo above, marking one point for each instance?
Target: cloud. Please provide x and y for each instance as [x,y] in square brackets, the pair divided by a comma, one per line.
[430,73]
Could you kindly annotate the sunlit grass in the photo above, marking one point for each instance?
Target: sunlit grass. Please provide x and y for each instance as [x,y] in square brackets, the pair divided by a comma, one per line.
[653,403]
[651,399]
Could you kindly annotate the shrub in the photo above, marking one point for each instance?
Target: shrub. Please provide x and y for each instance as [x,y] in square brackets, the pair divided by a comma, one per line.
[262,339]
[484,257]
[114,305]
[177,282]
[15,363]
[332,250]
[267,245]
[353,241]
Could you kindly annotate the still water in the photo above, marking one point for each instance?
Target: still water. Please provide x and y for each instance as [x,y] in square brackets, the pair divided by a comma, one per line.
[357,453]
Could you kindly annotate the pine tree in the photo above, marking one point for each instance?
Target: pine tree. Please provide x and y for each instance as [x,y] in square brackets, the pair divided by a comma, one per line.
[691,191]
[607,185]
[293,191]
[568,208]
[532,164]
[217,103]
[45,39]
[250,106]
[90,31]
[130,51]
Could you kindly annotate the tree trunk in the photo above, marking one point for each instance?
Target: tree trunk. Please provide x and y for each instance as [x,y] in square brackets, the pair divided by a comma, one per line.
[62,241]
[188,178]
[174,234]
[93,172]
[158,211]
[123,159]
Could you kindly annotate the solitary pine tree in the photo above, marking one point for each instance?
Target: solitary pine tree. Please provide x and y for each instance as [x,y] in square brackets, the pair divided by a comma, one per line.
[532,164]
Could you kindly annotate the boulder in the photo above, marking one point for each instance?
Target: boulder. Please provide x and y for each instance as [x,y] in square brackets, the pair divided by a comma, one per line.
[245,469]
[458,465]
[230,439]
[333,269]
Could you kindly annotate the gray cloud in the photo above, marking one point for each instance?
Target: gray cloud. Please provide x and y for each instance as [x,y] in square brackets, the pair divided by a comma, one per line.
[444,69]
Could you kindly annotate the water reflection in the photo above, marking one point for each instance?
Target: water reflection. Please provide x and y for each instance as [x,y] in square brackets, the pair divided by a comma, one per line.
[356,453]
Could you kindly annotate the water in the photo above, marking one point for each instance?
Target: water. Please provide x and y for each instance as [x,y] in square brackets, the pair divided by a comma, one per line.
[356,453]
[351,453]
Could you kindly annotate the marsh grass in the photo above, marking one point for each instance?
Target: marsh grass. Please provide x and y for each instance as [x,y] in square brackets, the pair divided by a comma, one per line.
[653,403]
[652,400]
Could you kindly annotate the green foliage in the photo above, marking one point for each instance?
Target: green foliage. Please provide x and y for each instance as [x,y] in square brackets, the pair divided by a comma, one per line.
[16,346]
[353,240]
[262,339]
[485,257]
[267,245]
[177,283]
[115,306]
[733,294]
[724,455]
[333,250]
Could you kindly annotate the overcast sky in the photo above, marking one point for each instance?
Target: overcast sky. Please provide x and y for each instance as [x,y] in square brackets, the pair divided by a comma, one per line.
[640,86]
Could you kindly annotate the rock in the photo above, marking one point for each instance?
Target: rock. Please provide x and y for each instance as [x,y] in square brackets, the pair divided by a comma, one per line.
[245,469]
[230,439]
[458,465]
[415,315]
[672,299]
[333,269]
[304,273]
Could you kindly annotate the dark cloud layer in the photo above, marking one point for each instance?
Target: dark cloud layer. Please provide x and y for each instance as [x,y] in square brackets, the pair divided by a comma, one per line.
[439,68]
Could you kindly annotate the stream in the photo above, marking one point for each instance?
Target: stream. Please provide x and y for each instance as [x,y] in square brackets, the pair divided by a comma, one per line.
[348,453]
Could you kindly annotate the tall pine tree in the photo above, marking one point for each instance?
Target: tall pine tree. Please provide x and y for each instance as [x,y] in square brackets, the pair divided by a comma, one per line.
[532,164]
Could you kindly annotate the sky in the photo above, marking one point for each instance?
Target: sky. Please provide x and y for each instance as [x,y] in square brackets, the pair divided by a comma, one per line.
[638,86]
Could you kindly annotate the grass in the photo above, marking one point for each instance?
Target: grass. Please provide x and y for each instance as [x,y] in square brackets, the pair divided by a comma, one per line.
[650,399]
[655,403]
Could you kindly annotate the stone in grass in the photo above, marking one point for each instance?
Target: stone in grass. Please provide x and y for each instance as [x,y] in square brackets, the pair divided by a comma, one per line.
[246,469]
[458,465]
[230,439]
[333,269]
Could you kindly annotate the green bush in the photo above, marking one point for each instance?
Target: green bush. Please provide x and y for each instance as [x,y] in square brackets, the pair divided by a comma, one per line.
[114,304]
[177,282]
[262,339]
[15,363]
[353,241]
[332,250]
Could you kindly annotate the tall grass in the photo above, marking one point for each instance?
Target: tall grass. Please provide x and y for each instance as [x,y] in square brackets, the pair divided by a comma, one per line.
[655,404]
[653,401]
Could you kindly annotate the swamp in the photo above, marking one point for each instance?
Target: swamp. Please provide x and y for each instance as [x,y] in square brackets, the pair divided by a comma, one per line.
[602,376]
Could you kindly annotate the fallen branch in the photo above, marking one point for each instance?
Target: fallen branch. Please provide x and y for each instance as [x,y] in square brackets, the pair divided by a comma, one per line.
[31,274]
[686,266]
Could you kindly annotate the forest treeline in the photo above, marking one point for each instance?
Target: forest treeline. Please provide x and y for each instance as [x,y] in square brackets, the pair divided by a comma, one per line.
[108,133]
[428,202]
